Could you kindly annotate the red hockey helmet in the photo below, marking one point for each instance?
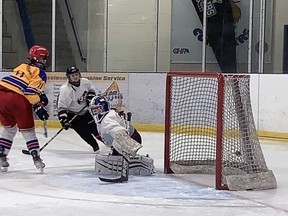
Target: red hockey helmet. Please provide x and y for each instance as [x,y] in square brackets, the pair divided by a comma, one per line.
[38,56]
[37,52]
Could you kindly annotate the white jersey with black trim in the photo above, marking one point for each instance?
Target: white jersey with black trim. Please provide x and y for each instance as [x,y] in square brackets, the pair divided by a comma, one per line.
[72,98]
[110,124]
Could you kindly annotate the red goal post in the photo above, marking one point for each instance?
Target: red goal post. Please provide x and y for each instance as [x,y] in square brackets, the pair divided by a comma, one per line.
[209,129]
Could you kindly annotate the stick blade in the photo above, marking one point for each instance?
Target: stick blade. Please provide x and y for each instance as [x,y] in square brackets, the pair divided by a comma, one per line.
[26,152]
[114,180]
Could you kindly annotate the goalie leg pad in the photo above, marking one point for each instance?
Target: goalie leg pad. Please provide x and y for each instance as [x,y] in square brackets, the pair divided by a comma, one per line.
[123,143]
[141,165]
[112,165]
[108,164]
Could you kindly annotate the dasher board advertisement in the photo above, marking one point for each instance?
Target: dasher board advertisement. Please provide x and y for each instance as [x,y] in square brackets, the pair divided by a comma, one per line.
[114,86]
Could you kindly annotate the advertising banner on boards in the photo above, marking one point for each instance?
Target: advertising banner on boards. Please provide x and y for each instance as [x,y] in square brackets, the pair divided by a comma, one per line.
[114,86]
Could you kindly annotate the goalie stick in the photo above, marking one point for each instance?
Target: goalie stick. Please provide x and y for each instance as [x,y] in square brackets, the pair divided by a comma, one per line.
[52,138]
[125,162]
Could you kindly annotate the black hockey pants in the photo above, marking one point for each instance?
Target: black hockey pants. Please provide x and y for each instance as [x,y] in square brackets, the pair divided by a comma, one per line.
[85,126]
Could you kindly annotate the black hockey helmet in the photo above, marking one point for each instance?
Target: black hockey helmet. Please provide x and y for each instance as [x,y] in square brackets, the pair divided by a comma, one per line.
[72,70]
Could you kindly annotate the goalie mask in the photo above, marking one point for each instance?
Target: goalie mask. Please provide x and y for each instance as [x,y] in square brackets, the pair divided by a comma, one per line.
[99,106]
[73,75]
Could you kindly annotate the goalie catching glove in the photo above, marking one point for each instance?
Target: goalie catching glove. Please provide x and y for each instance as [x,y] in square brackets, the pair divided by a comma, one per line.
[40,111]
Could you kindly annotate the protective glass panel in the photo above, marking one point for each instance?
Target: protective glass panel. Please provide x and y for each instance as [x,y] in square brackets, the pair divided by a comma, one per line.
[228,47]
[39,18]
[187,37]
[131,36]
[71,34]
[113,36]
[14,39]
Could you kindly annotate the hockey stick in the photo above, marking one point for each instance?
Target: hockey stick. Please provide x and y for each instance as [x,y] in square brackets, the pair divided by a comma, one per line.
[129,116]
[45,128]
[125,162]
[52,138]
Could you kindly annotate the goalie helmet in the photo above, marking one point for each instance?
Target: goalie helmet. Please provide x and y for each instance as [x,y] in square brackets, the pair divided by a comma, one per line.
[38,56]
[99,105]
[73,75]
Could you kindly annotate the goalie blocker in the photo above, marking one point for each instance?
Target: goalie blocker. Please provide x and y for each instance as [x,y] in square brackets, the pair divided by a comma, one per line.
[112,165]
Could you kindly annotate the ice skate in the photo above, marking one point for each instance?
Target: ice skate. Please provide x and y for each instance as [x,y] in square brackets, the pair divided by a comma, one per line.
[3,162]
[37,161]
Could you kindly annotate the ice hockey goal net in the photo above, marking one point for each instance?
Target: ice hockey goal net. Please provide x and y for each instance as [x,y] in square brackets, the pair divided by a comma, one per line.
[209,129]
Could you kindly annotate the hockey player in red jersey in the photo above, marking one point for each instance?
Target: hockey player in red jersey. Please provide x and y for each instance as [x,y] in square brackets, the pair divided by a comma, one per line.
[20,93]
[74,96]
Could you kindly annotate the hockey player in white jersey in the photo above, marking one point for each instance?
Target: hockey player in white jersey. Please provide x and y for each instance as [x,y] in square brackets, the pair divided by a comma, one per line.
[74,96]
[120,135]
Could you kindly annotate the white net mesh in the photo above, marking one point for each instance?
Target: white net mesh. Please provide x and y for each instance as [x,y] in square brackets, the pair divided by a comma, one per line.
[210,119]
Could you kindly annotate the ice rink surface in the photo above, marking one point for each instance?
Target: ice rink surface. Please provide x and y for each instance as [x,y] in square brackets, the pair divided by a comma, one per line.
[70,186]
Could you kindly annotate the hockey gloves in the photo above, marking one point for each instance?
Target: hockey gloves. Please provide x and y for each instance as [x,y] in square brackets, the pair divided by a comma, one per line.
[90,94]
[64,122]
[41,112]
[43,99]
[121,114]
